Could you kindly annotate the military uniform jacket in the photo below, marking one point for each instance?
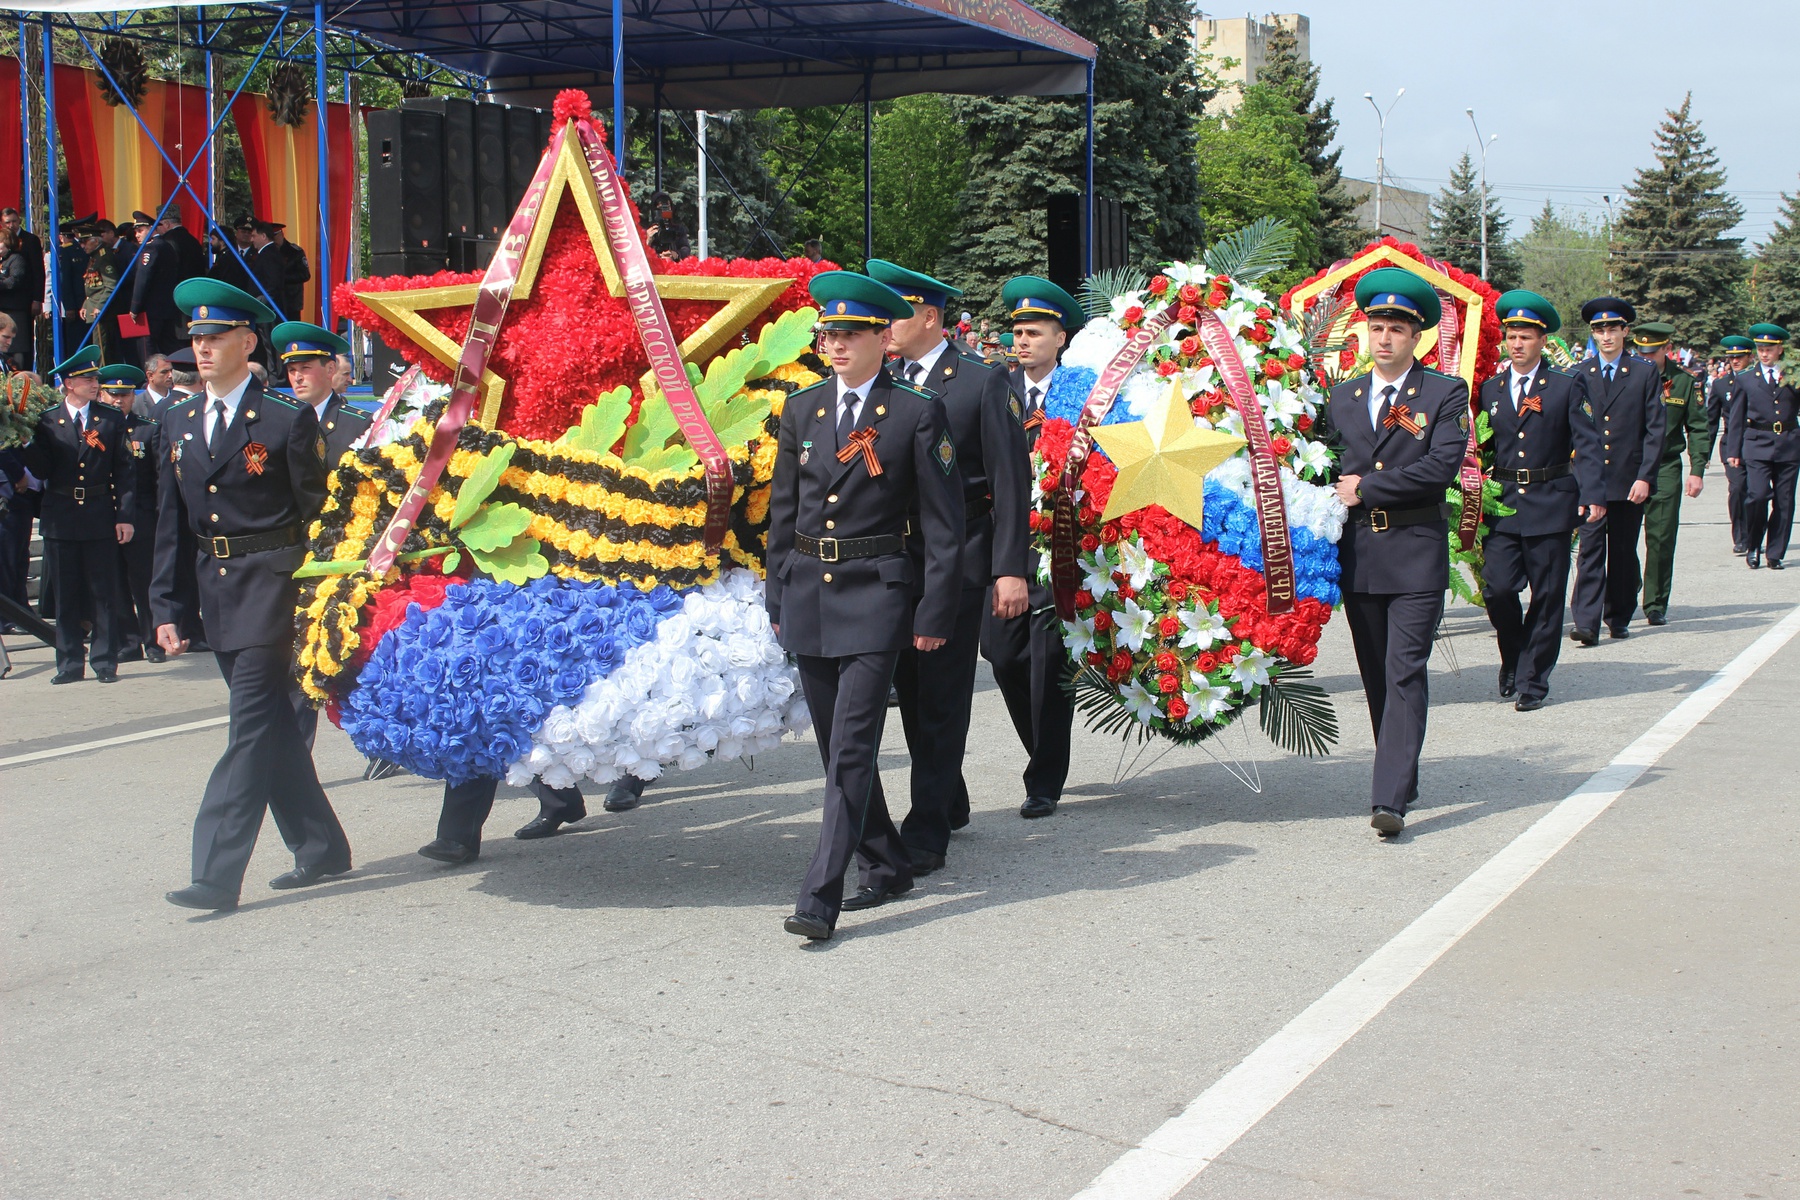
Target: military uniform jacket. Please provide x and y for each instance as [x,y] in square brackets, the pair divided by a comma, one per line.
[1630,419]
[144,445]
[1039,594]
[153,281]
[268,476]
[87,477]
[865,605]
[102,276]
[1399,471]
[294,275]
[987,427]
[1685,423]
[1756,408]
[342,425]
[271,274]
[1532,441]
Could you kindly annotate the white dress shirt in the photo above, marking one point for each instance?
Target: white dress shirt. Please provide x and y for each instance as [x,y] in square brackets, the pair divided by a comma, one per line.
[78,415]
[1521,384]
[925,363]
[851,399]
[1377,385]
[232,399]
[1041,386]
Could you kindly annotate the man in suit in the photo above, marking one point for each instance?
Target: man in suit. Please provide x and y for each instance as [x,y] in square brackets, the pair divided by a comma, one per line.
[153,283]
[1026,650]
[25,338]
[137,628]
[245,474]
[190,255]
[1739,352]
[1547,463]
[266,264]
[71,283]
[1625,394]
[1399,432]
[1685,426]
[159,383]
[861,456]
[1762,438]
[295,271]
[936,689]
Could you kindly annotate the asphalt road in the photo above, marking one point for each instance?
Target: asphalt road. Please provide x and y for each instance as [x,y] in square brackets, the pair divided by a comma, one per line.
[617,1013]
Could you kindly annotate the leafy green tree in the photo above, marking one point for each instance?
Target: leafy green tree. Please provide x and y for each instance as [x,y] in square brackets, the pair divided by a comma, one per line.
[818,154]
[1336,231]
[747,213]
[921,166]
[1252,164]
[1775,276]
[1453,232]
[1564,259]
[1672,258]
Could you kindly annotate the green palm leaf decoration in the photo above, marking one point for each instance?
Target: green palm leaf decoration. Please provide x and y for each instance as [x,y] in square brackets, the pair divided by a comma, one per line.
[1097,291]
[1259,248]
[1297,715]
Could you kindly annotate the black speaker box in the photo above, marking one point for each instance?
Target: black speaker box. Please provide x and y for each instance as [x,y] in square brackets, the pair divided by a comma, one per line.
[459,158]
[406,181]
[410,262]
[471,253]
[491,209]
[1063,240]
[526,136]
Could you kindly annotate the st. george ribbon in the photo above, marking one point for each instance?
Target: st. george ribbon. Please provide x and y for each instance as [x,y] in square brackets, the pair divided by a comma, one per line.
[1468,478]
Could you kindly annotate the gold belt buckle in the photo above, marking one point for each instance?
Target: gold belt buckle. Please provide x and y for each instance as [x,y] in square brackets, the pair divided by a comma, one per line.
[1778,427]
[221,547]
[828,550]
[1378,521]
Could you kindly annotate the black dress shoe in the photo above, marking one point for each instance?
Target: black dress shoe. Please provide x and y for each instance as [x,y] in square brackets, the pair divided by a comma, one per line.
[543,826]
[155,654]
[1037,806]
[203,896]
[1740,548]
[1775,565]
[1584,637]
[135,654]
[301,877]
[1754,558]
[1529,703]
[626,793]
[1618,633]
[808,926]
[875,897]
[959,821]
[1387,821]
[1508,686]
[924,862]
[106,675]
[72,675]
[1656,618]
[446,851]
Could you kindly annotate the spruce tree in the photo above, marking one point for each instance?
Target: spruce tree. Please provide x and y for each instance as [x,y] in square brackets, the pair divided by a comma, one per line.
[1026,149]
[1672,259]
[1775,276]
[1454,229]
[1336,232]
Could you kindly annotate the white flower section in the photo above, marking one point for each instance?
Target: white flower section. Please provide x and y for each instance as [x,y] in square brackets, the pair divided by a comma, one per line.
[1134,626]
[1310,506]
[1281,405]
[1136,564]
[1094,345]
[1310,455]
[1097,571]
[713,683]
[1251,669]
[1207,703]
[411,393]
[1203,628]
[1142,388]
[1201,380]
[1237,317]
[1141,701]
[1078,636]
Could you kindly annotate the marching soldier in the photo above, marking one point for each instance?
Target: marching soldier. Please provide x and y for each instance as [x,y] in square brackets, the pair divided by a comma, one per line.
[1399,431]
[309,353]
[1761,436]
[860,454]
[1539,427]
[1739,351]
[245,474]
[936,689]
[119,386]
[79,451]
[1685,425]
[1625,394]
[1026,651]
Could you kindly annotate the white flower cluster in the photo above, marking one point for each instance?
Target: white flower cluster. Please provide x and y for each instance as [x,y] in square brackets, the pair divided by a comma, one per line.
[713,683]
[410,395]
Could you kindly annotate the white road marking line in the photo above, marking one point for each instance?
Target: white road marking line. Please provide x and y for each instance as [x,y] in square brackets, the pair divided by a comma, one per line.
[121,740]
[1170,1158]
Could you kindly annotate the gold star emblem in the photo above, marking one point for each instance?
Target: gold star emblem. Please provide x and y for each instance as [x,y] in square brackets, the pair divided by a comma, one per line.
[1163,459]
[744,299]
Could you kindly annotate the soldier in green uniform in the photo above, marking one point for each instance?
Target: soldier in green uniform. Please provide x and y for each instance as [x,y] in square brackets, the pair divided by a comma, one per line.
[1687,427]
[98,283]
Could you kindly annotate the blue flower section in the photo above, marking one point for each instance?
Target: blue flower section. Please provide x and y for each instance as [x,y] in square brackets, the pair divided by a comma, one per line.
[456,693]
[1232,524]
[1069,388]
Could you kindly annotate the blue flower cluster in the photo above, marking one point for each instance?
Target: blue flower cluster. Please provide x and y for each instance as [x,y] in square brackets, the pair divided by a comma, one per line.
[1233,525]
[456,693]
[1068,394]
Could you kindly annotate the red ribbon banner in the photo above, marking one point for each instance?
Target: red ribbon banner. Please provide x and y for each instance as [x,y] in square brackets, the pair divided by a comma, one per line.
[1265,469]
[1468,477]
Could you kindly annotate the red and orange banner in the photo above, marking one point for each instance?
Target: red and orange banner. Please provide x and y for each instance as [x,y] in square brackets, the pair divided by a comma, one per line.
[12,181]
[113,165]
[283,162]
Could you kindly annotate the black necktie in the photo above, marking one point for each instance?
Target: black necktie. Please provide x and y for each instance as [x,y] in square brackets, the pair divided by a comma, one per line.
[914,372]
[846,420]
[1769,374]
[217,433]
[1031,398]
[1607,371]
[1387,402]
[79,424]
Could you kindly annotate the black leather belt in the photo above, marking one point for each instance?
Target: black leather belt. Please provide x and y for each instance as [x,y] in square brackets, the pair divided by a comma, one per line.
[838,549]
[1768,426]
[1382,519]
[251,543]
[78,494]
[1532,474]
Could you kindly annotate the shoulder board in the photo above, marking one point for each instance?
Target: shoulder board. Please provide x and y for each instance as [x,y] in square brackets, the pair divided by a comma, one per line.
[900,385]
[1357,379]
[815,386]
[1440,374]
[278,398]
[358,413]
[147,421]
[1564,374]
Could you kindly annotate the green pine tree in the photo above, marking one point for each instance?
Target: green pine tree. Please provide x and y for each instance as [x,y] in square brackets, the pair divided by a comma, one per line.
[1026,149]
[1671,256]
[1454,229]
[1775,276]
[756,222]
[1564,259]
[1336,232]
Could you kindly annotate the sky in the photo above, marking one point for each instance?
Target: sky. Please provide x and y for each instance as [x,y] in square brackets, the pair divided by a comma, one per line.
[1574,90]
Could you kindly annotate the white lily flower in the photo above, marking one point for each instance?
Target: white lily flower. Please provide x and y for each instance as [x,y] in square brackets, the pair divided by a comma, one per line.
[1202,628]
[1251,669]
[1280,405]
[1097,572]
[1136,564]
[1200,380]
[1078,635]
[1237,317]
[1134,625]
[1311,456]
[1142,702]
[1206,703]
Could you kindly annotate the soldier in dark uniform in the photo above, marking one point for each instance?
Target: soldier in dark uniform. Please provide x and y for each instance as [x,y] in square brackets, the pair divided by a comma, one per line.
[1625,394]
[936,689]
[226,266]
[267,264]
[71,283]
[1685,426]
[79,451]
[861,457]
[295,270]
[1547,463]
[1739,351]
[309,352]
[190,255]
[1399,433]
[245,473]
[137,628]
[1763,437]
[153,283]
[1031,664]
[102,306]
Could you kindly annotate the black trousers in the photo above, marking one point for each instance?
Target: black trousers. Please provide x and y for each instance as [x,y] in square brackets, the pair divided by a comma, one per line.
[1606,568]
[1734,502]
[1030,665]
[1530,639]
[467,805]
[265,766]
[139,555]
[87,583]
[936,690]
[1769,506]
[1393,635]
[848,699]
[15,548]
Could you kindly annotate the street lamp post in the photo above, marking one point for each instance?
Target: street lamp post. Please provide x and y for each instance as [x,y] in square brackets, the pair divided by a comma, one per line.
[1380,147]
[1484,207]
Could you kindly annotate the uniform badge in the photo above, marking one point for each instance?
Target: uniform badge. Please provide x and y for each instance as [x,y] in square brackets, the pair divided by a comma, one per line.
[320,450]
[805,453]
[1018,411]
[946,452]
[1462,422]
[137,449]
[175,452]
[256,456]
